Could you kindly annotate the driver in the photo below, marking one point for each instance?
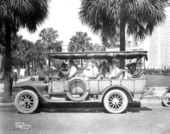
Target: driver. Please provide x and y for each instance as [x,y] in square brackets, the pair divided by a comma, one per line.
[71,71]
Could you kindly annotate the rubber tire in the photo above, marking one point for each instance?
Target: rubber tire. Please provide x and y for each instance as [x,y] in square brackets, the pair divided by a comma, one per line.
[106,101]
[83,97]
[35,99]
[164,103]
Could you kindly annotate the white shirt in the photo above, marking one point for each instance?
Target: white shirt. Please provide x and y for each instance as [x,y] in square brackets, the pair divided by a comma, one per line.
[114,72]
[127,75]
[73,70]
[95,71]
[88,72]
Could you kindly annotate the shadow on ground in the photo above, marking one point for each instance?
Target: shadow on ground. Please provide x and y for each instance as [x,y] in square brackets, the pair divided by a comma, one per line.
[84,108]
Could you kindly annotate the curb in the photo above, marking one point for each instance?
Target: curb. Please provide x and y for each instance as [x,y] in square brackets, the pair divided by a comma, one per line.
[7,104]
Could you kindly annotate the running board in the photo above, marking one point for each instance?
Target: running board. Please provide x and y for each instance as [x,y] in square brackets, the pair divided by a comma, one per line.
[65,100]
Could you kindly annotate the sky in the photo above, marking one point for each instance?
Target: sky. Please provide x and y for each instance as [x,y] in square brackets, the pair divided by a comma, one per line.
[63,17]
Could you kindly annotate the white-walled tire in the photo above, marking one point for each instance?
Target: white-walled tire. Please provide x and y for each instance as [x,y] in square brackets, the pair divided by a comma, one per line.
[26,101]
[115,101]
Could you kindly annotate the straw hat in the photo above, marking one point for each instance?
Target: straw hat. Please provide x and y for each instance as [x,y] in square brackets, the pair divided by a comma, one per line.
[133,61]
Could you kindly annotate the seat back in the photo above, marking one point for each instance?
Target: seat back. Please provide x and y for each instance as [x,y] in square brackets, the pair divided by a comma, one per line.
[96,77]
[140,75]
[120,75]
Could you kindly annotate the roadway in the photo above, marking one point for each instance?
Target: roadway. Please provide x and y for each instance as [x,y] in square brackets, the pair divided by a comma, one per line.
[87,119]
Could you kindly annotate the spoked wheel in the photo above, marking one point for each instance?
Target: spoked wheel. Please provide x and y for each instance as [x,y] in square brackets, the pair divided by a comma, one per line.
[26,101]
[166,99]
[115,101]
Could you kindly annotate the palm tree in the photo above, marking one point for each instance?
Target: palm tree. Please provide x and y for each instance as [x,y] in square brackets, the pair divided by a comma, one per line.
[27,54]
[49,40]
[2,60]
[39,53]
[23,54]
[137,16]
[80,43]
[97,47]
[15,14]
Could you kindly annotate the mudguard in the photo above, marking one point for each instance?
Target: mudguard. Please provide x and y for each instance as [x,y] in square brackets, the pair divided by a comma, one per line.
[122,88]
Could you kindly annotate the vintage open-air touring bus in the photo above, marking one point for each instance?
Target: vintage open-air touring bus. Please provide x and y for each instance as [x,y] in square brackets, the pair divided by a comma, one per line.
[115,93]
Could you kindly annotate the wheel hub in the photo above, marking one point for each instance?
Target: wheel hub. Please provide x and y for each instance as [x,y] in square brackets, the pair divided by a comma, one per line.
[115,101]
[27,100]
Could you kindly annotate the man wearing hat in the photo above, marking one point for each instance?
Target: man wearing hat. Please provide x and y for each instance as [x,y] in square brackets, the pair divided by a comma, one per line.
[71,71]
[114,70]
[73,68]
[91,70]
[138,69]
[131,66]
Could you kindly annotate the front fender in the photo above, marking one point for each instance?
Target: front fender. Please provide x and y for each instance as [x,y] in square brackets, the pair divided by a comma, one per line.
[38,91]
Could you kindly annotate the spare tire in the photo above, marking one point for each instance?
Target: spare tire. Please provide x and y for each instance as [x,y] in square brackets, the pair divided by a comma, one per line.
[77,89]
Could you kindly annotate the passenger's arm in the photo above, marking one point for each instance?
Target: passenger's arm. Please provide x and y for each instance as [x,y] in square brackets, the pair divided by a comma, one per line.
[95,76]
[73,73]
[118,75]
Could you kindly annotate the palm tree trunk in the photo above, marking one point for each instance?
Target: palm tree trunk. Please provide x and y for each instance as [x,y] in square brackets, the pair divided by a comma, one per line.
[7,68]
[3,62]
[122,42]
[27,64]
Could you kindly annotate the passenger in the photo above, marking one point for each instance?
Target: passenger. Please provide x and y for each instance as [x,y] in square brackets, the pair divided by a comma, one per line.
[107,69]
[114,70]
[91,71]
[102,68]
[87,72]
[138,68]
[131,66]
[73,69]
[127,75]
[95,70]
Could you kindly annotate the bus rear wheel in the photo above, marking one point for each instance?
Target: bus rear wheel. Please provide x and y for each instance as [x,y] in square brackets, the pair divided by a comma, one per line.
[115,101]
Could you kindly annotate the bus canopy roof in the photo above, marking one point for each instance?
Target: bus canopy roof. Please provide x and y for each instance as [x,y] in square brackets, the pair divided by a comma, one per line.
[99,55]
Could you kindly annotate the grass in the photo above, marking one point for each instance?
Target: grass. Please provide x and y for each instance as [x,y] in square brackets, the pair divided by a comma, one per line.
[158,80]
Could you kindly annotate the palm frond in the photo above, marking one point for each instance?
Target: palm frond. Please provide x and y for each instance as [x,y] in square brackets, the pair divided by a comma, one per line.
[104,16]
[24,13]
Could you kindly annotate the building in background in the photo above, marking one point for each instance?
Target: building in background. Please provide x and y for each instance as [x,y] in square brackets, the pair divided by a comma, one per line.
[157,45]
